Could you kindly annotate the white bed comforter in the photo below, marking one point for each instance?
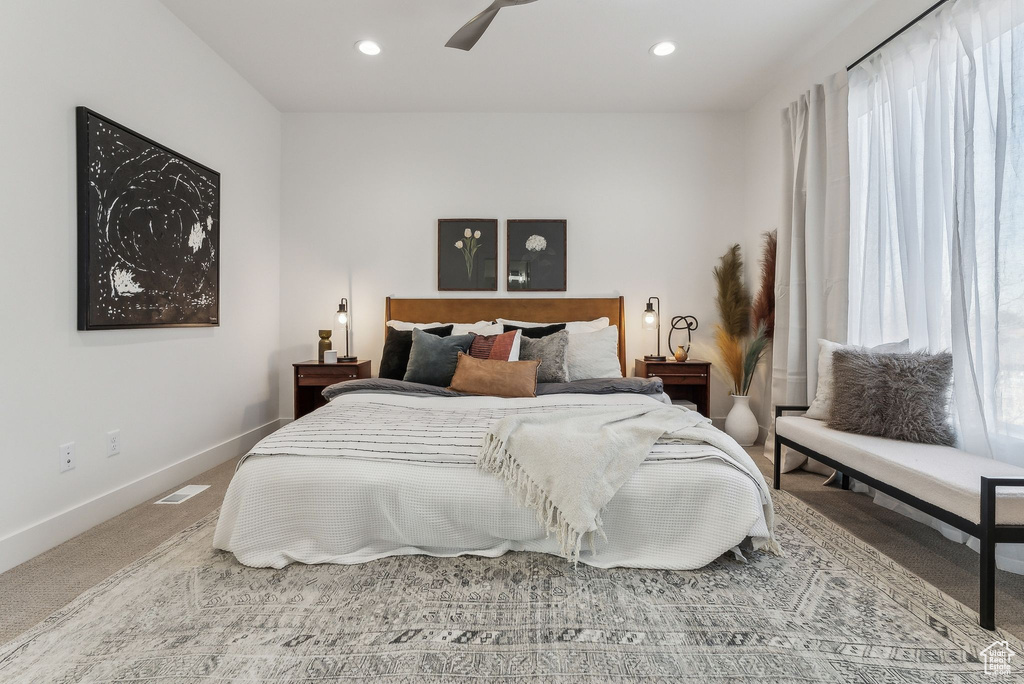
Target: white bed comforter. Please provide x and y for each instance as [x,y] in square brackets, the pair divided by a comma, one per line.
[376,475]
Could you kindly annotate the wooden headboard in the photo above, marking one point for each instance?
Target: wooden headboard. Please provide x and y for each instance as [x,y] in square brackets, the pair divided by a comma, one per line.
[541,310]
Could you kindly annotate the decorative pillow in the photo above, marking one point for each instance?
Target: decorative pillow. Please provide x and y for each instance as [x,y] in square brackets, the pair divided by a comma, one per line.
[899,396]
[594,354]
[495,378]
[572,327]
[397,345]
[503,347]
[478,328]
[819,409]
[550,351]
[536,331]
[432,359]
[405,325]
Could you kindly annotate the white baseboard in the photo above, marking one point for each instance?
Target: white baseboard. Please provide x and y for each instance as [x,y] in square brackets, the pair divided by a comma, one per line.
[20,546]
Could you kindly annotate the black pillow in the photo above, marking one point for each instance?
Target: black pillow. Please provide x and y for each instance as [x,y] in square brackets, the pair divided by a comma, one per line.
[395,357]
[433,359]
[538,331]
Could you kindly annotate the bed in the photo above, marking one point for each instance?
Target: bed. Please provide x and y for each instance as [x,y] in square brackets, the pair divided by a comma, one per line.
[379,472]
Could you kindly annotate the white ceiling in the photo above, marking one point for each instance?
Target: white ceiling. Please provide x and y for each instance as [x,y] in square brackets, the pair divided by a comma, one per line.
[548,56]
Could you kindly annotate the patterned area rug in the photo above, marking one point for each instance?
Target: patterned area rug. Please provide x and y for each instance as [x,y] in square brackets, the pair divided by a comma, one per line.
[832,610]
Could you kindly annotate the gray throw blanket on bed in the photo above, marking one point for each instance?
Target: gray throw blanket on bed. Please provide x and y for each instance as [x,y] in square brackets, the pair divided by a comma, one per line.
[567,465]
[649,386]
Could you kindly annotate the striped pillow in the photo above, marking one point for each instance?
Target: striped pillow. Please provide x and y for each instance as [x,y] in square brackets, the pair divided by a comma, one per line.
[503,347]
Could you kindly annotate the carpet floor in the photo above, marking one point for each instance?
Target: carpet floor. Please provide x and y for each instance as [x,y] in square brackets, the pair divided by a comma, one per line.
[951,567]
[51,580]
[29,592]
[831,609]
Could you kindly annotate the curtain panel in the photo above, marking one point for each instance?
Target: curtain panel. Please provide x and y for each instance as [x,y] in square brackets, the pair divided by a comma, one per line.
[936,125]
[813,252]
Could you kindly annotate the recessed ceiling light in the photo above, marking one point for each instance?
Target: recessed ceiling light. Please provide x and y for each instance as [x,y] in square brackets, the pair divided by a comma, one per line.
[368,47]
[664,48]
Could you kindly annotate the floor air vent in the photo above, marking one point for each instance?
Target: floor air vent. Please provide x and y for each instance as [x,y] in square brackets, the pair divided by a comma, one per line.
[183,494]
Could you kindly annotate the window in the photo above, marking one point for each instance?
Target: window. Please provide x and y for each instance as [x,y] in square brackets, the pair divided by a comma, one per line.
[937,207]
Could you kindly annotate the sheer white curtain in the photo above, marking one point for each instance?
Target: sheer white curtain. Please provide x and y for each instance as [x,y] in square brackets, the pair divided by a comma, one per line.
[813,251]
[937,211]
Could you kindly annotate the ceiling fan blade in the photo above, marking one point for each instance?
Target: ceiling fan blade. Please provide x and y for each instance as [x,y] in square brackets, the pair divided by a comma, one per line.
[467,36]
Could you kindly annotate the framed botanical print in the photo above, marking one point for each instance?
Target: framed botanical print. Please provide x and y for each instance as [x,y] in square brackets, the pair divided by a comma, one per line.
[536,255]
[148,232]
[467,254]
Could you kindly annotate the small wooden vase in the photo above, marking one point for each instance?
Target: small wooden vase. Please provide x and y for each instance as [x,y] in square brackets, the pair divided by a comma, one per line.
[323,345]
[680,354]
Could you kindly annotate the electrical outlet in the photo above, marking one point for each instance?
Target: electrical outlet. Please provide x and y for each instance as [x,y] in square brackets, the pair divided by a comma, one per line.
[66,452]
[113,443]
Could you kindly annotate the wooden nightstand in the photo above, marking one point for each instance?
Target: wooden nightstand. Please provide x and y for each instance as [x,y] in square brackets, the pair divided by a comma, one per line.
[690,380]
[311,378]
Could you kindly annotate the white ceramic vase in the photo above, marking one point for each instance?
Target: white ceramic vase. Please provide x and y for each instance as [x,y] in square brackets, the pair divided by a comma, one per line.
[741,424]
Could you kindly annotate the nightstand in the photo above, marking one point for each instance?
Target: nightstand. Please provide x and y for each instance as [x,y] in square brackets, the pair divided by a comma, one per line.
[311,378]
[687,380]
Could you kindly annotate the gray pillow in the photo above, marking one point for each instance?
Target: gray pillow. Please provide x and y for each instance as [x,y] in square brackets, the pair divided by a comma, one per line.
[899,396]
[551,352]
[432,359]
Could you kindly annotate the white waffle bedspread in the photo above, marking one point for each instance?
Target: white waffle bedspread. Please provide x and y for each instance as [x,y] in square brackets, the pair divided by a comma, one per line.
[376,475]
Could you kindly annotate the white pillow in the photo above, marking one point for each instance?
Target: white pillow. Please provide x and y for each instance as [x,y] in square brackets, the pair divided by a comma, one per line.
[403,325]
[572,327]
[480,327]
[594,354]
[826,382]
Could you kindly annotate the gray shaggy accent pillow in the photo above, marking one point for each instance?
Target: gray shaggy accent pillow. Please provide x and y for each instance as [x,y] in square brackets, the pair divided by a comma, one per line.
[898,396]
[550,349]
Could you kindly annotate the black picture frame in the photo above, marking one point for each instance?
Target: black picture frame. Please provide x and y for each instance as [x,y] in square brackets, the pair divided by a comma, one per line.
[148,231]
[467,255]
[536,255]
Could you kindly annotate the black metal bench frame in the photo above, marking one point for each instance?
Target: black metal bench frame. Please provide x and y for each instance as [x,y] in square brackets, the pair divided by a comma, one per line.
[987,531]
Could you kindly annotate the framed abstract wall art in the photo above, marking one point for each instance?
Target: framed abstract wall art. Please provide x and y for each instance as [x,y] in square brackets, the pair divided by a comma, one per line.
[536,256]
[467,254]
[148,231]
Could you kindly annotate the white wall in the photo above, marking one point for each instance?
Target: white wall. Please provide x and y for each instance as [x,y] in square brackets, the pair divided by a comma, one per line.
[172,393]
[651,201]
[763,182]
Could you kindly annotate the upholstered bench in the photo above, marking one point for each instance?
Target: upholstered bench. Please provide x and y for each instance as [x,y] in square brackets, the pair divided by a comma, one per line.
[956,487]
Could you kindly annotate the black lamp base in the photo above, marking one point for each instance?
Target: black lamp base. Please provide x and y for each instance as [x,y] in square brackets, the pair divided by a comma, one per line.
[648,357]
[347,359]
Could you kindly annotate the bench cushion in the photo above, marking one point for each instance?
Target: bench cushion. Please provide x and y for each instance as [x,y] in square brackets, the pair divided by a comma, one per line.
[941,475]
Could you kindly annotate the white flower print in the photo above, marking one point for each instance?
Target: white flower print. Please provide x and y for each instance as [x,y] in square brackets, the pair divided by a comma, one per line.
[536,243]
[469,246]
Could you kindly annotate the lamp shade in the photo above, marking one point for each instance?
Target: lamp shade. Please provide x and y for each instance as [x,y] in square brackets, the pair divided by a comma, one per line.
[650,319]
[342,315]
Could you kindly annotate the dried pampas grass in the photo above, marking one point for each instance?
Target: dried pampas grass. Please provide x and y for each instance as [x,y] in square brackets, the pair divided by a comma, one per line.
[733,297]
[740,353]
[730,353]
[762,311]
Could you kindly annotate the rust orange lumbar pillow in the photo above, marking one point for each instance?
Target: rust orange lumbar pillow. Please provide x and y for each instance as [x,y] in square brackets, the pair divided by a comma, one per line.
[495,378]
[501,347]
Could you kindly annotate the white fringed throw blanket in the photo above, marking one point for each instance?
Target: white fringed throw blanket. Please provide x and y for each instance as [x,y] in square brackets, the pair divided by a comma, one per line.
[567,465]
